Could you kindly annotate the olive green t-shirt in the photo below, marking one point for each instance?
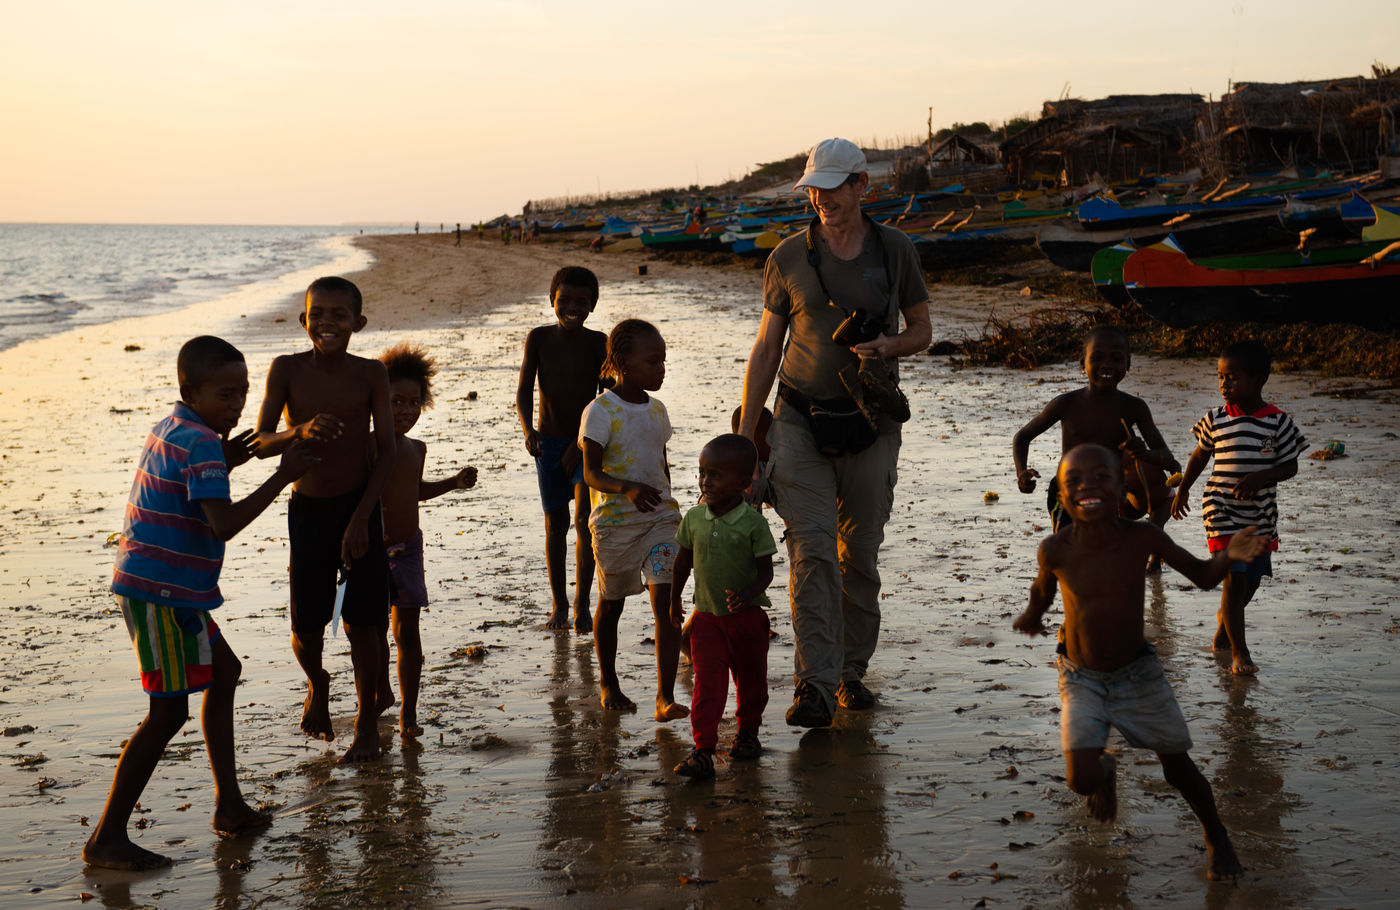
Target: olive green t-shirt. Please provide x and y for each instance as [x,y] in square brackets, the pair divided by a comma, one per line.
[811,360]
[724,551]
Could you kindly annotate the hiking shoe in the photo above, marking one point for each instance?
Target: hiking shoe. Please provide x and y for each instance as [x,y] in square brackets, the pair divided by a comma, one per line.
[875,376]
[745,747]
[854,696]
[699,764]
[808,709]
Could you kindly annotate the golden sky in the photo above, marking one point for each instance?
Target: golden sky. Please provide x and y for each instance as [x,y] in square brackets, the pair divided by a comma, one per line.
[326,113]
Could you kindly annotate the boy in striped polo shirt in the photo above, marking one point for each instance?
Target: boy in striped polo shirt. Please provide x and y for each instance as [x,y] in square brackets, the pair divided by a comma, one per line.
[1255,445]
[167,582]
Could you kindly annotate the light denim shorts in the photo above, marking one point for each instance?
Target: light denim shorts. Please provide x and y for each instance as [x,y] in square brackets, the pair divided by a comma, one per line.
[1136,698]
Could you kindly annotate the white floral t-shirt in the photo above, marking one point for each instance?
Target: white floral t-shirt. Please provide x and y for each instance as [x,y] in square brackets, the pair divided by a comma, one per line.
[633,437]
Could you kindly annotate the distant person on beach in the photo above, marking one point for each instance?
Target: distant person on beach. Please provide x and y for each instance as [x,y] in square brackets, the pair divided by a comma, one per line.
[340,402]
[1109,673]
[567,361]
[634,518]
[1103,414]
[731,549]
[833,296]
[411,372]
[1255,445]
[167,585]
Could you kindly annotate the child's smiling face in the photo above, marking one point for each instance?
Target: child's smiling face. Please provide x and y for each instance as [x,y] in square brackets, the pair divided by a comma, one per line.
[1091,484]
[722,479]
[572,304]
[330,319]
[1106,362]
[406,403]
[220,397]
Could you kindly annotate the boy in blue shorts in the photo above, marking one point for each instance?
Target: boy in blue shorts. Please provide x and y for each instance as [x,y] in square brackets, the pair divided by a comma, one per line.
[567,359]
[167,583]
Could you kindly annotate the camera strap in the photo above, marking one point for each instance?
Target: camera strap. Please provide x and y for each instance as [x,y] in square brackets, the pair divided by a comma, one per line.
[814,259]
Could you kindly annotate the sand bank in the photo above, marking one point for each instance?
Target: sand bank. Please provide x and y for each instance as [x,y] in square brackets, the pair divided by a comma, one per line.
[524,793]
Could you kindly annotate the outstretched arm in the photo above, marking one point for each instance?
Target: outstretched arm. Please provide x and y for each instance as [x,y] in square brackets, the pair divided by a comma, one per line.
[1042,596]
[464,479]
[228,518]
[1207,573]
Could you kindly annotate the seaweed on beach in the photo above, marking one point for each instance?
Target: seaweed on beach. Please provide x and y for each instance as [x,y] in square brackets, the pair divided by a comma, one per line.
[1048,335]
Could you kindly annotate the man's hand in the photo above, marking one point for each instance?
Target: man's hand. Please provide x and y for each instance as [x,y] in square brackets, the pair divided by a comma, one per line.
[1025,480]
[532,442]
[645,498]
[238,449]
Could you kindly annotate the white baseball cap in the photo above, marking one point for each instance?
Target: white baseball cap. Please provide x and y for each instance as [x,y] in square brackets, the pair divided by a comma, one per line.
[831,162]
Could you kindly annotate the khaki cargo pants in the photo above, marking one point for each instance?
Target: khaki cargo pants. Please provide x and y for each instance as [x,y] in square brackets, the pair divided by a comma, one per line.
[835,510]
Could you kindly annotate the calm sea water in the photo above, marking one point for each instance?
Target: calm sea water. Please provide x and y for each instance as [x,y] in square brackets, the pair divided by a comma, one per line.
[54,277]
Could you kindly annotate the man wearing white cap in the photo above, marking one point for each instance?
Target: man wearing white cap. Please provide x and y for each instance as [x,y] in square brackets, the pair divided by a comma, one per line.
[833,297]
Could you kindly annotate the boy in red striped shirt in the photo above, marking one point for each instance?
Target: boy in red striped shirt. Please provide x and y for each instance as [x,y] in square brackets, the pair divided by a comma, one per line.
[167,581]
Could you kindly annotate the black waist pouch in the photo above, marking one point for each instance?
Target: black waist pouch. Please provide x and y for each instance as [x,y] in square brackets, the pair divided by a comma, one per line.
[838,426]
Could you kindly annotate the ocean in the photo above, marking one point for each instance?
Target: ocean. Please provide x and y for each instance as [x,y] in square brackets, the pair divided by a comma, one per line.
[54,277]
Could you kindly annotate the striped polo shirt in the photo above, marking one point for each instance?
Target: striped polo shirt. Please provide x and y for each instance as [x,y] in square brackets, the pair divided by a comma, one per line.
[1243,444]
[168,554]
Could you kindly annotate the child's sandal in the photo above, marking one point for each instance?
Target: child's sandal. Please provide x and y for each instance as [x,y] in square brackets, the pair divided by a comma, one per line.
[699,764]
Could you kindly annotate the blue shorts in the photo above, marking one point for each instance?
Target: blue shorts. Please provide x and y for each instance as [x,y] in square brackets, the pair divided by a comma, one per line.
[556,487]
[1261,566]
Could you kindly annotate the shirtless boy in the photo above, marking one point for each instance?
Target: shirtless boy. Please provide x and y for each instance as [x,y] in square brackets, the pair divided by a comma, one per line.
[332,397]
[567,359]
[410,391]
[1109,674]
[1102,414]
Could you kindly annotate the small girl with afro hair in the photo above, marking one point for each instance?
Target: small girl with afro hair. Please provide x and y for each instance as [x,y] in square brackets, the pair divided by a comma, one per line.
[411,371]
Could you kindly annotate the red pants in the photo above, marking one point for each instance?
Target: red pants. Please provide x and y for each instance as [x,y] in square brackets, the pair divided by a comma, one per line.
[719,645]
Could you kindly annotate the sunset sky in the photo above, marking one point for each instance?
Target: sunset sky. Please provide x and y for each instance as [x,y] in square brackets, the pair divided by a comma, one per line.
[351,112]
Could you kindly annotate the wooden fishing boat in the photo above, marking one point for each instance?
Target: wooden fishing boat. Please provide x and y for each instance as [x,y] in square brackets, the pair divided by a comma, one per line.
[1173,289]
[1107,271]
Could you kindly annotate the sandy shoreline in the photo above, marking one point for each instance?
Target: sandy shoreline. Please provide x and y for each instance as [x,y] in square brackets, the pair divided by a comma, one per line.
[524,793]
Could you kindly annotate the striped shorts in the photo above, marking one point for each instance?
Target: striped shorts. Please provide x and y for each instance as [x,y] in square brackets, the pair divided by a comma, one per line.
[174,646]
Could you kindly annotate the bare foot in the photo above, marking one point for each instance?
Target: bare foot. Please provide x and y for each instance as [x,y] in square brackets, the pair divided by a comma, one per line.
[669,710]
[365,747]
[1103,802]
[316,713]
[614,700]
[408,725]
[385,700]
[1223,861]
[239,818]
[1154,565]
[122,854]
[583,620]
[1221,642]
[1243,665]
[558,620]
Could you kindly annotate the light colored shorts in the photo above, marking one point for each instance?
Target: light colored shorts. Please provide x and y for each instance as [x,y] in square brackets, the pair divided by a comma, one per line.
[633,557]
[1135,698]
[174,646]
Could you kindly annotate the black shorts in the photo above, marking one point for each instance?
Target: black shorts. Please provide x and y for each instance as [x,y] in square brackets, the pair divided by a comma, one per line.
[316,525]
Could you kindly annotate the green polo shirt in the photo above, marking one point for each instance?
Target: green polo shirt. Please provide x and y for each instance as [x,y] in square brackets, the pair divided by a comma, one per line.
[724,551]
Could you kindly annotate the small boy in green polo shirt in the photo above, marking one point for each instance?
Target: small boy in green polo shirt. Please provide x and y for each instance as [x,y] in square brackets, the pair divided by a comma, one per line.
[731,549]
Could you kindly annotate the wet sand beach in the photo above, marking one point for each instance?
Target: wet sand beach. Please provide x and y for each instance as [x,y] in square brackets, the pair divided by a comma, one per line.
[523,792]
